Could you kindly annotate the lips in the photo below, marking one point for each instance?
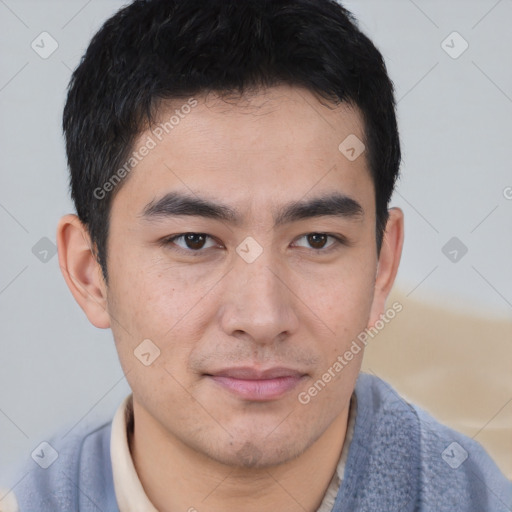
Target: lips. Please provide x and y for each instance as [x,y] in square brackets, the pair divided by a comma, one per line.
[257,385]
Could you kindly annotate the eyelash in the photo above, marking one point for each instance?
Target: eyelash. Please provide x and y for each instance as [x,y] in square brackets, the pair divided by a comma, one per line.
[338,241]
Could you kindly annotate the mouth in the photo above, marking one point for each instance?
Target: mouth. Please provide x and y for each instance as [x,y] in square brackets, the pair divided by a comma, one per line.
[257,385]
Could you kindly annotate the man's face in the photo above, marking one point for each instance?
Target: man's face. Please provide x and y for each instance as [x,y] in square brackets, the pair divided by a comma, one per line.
[252,313]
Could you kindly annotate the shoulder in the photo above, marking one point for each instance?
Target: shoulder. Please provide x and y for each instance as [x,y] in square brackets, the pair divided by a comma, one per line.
[457,470]
[407,460]
[69,472]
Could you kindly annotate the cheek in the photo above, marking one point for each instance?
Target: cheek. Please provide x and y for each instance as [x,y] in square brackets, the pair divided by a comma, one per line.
[151,300]
[153,294]
[342,297]
[345,307]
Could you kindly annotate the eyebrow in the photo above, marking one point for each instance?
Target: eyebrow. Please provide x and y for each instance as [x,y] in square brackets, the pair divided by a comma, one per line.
[175,204]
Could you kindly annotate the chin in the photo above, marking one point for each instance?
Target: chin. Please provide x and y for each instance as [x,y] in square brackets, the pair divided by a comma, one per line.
[249,452]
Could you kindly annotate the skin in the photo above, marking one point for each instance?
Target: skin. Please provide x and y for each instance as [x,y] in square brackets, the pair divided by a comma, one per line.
[195,443]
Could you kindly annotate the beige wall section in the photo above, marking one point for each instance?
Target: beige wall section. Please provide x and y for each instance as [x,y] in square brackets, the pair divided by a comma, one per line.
[456,366]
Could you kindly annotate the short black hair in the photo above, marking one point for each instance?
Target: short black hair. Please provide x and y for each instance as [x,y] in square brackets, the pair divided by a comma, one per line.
[154,50]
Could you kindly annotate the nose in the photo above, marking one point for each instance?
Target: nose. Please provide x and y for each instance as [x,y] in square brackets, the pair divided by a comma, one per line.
[259,303]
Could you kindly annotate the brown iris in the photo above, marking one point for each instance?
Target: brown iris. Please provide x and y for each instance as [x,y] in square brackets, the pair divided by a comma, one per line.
[317,240]
[194,240]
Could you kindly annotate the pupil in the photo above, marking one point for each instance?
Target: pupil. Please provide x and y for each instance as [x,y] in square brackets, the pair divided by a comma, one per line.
[195,241]
[317,240]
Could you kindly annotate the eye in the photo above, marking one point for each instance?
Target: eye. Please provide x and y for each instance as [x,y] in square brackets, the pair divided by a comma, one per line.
[190,242]
[318,241]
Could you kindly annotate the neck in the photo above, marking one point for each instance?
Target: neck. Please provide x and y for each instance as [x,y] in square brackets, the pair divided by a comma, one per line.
[176,477]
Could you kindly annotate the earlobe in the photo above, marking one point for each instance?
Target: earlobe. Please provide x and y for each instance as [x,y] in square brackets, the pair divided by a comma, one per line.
[81,270]
[389,260]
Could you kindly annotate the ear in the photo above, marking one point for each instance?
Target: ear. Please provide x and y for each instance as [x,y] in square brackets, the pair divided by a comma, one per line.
[81,270]
[389,259]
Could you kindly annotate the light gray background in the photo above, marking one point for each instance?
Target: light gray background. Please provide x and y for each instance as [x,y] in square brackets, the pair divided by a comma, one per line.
[455,118]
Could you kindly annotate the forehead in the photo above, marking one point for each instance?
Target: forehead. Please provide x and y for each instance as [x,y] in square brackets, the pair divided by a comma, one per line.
[267,117]
[275,144]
